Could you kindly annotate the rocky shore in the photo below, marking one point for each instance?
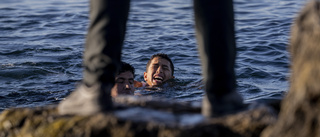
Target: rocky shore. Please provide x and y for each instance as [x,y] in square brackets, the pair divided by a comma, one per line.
[135,117]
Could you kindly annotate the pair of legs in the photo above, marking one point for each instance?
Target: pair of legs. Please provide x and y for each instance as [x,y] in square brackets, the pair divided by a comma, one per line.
[215,35]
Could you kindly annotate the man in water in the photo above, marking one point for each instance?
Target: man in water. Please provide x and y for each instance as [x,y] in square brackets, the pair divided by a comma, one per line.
[124,81]
[159,70]
[214,25]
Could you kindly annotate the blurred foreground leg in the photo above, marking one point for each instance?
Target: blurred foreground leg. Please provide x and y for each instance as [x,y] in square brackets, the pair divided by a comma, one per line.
[214,21]
[101,58]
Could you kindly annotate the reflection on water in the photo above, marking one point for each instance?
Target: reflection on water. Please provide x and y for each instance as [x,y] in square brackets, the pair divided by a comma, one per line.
[41,47]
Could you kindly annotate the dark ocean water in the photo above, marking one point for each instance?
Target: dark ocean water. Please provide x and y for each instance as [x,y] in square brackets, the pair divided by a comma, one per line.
[41,47]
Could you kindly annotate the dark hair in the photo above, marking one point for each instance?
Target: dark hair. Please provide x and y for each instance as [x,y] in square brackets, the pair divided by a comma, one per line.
[160,55]
[126,67]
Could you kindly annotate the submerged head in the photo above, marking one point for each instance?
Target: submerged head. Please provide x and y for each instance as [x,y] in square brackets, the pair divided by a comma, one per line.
[124,81]
[159,69]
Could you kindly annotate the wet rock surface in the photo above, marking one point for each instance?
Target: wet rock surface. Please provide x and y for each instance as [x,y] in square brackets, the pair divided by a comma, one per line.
[136,117]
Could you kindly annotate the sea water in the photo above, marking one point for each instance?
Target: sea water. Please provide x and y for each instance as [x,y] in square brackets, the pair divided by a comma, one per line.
[42,44]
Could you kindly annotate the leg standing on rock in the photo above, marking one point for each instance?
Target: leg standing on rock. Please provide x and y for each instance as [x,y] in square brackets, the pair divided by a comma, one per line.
[214,21]
[101,58]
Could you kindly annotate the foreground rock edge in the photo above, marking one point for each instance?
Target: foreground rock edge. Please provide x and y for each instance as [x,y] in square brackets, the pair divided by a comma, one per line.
[134,120]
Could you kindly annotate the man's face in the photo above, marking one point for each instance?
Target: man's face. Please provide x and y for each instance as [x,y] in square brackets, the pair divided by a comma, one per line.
[158,72]
[123,84]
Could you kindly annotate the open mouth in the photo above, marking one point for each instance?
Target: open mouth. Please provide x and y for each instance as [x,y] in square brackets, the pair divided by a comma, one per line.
[158,79]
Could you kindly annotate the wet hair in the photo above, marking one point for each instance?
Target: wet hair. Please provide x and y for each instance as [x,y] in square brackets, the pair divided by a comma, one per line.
[161,55]
[126,67]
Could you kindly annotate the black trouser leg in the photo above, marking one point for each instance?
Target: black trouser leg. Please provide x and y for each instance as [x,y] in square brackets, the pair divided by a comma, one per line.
[104,40]
[215,34]
[101,58]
